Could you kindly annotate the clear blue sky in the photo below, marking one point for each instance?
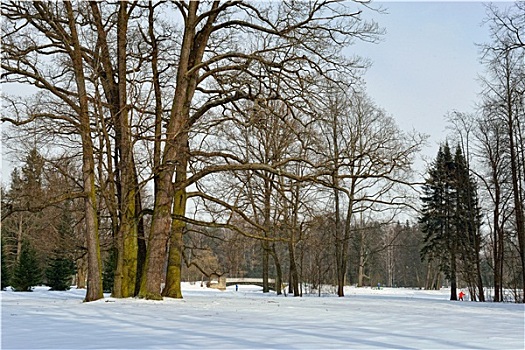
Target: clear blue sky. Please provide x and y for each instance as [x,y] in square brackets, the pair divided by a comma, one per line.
[427,63]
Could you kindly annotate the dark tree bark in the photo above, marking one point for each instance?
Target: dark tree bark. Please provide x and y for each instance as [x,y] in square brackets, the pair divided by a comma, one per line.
[94,277]
[125,177]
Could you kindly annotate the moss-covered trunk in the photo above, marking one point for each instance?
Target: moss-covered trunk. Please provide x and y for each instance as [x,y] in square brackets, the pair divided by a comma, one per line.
[114,83]
[172,287]
[191,54]
[94,283]
[158,238]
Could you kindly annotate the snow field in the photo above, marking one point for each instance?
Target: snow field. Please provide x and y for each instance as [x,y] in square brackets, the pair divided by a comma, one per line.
[249,319]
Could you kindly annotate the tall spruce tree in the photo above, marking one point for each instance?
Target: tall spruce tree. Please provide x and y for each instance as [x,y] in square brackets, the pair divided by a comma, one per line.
[437,220]
[468,222]
[61,266]
[451,221]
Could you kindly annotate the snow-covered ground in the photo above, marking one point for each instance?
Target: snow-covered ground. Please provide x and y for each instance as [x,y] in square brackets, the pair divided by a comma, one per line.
[249,319]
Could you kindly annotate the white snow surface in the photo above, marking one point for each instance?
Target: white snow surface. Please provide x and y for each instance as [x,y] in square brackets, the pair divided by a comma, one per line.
[249,319]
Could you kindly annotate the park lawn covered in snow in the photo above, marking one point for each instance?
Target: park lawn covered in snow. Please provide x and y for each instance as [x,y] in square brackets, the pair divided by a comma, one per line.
[249,319]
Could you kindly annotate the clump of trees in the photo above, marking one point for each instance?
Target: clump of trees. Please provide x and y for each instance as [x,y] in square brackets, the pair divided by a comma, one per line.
[492,141]
[40,238]
[145,101]
[158,146]
[451,221]
[503,116]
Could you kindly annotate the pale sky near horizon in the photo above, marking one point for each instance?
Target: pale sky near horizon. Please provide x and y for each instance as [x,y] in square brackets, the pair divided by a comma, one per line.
[425,66]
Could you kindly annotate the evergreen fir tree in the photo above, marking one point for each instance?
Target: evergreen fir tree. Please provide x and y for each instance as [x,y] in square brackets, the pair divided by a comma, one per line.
[451,219]
[59,272]
[437,221]
[27,273]
[108,275]
[468,223]
[61,267]
[32,173]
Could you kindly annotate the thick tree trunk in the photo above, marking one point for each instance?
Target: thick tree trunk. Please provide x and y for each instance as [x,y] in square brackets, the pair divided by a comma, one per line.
[94,276]
[291,243]
[278,271]
[361,271]
[501,243]
[127,238]
[433,277]
[294,276]
[479,279]
[346,239]
[362,259]
[81,273]
[265,265]
[172,287]
[94,279]
[479,282]
[428,284]
[150,287]
[453,278]
[126,181]
[129,182]
[142,253]
[267,222]
[512,118]
[152,263]
[340,265]
[290,282]
[498,242]
[518,204]
[141,243]
[191,53]
[340,255]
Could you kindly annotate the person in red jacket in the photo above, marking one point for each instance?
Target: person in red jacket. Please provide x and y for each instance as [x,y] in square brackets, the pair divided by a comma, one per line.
[461,295]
